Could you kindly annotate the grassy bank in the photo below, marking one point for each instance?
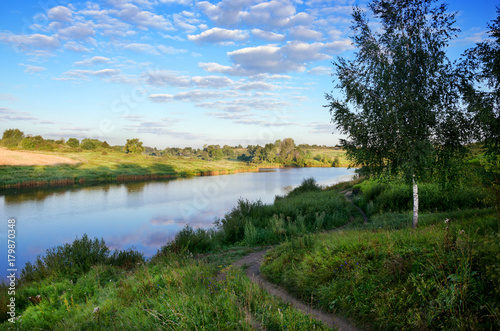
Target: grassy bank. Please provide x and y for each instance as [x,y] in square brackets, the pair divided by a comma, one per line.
[174,291]
[444,275]
[114,166]
[110,166]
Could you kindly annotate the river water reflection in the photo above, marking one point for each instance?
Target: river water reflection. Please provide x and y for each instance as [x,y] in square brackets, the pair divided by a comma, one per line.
[140,215]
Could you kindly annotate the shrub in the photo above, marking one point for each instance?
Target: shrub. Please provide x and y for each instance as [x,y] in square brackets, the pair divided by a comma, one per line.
[190,240]
[73,142]
[77,258]
[90,144]
[126,259]
[307,185]
[36,143]
[133,146]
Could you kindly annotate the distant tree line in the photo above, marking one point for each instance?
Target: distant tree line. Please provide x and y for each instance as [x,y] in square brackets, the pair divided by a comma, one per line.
[15,138]
[281,152]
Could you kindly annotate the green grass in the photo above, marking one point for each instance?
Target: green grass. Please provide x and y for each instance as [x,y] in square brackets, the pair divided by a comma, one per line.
[443,275]
[174,292]
[107,166]
[326,154]
[96,168]
[440,276]
[382,197]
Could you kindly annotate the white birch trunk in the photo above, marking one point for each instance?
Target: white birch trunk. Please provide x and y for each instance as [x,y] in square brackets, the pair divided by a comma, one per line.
[415,204]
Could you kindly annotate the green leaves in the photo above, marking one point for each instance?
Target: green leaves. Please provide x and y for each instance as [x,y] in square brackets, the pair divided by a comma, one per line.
[400,105]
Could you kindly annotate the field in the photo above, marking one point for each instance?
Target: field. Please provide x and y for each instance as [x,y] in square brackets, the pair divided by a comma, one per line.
[93,167]
[67,167]
[24,158]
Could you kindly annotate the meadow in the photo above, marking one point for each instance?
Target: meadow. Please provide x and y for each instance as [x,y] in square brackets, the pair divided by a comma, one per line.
[108,165]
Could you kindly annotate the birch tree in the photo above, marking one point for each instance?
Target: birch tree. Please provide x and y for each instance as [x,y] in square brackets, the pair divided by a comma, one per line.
[398,103]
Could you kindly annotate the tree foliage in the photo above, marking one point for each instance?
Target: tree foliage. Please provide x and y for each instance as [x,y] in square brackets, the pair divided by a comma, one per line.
[133,146]
[36,143]
[400,101]
[90,144]
[480,68]
[73,142]
[12,137]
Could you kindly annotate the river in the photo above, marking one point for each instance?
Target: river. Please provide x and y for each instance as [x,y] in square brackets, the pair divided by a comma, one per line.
[142,215]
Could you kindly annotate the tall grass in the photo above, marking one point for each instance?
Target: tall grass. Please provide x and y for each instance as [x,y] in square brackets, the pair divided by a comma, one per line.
[77,258]
[173,292]
[441,276]
[378,197]
[305,209]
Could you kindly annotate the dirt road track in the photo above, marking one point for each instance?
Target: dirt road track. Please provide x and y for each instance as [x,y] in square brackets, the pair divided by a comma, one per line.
[253,261]
[25,158]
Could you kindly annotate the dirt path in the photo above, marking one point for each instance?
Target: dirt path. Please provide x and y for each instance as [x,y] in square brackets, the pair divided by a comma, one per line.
[25,158]
[348,195]
[253,262]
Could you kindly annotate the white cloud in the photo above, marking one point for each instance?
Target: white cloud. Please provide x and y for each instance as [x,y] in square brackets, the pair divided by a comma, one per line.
[32,69]
[140,48]
[7,114]
[29,42]
[273,59]
[7,97]
[219,36]
[151,49]
[245,104]
[161,97]
[192,96]
[227,70]
[93,61]
[60,14]
[142,18]
[267,35]
[79,31]
[212,81]
[321,70]
[83,74]
[267,58]
[260,86]
[172,79]
[321,127]
[185,20]
[300,52]
[75,47]
[259,14]
[166,78]
[338,46]
[305,34]
[105,72]
[178,2]
[170,50]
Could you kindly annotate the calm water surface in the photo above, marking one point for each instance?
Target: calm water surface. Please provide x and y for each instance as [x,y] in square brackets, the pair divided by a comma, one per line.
[140,215]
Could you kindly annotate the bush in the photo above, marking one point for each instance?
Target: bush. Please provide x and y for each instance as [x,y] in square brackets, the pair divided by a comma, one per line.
[126,259]
[77,258]
[397,197]
[308,185]
[133,146]
[190,240]
[90,144]
[73,142]
[36,143]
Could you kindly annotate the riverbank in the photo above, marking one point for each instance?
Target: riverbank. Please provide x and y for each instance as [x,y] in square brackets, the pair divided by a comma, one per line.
[379,272]
[96,167]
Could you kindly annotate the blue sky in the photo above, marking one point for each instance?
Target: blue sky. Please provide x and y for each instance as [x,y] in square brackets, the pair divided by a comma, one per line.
[181,72]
